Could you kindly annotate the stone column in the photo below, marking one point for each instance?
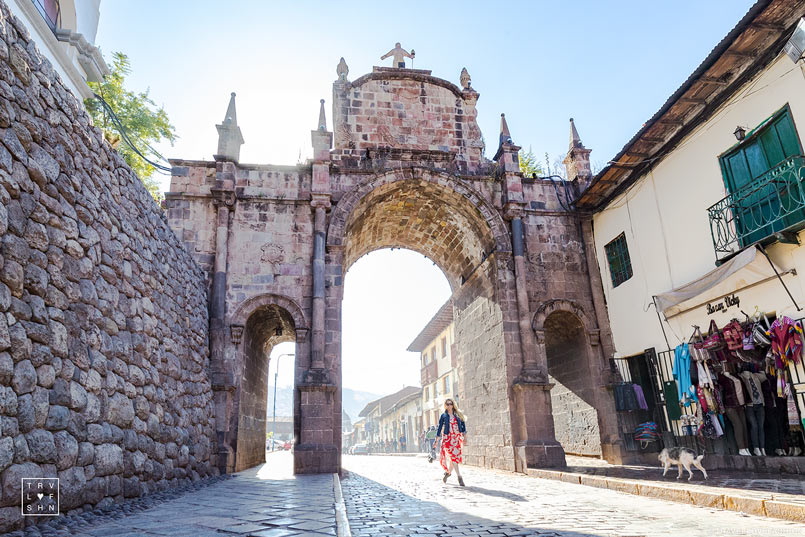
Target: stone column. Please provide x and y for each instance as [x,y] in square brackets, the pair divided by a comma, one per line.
[535,443]
[223,384]
[317,325]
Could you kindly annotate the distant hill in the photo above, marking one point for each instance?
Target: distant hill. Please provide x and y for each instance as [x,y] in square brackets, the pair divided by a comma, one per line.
[352,402]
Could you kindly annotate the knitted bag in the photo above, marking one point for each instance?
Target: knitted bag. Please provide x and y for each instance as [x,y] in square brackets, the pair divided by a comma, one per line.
[733,335]
[714,340]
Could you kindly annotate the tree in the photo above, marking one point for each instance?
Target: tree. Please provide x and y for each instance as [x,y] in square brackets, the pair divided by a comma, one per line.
[528,163]
[142,121]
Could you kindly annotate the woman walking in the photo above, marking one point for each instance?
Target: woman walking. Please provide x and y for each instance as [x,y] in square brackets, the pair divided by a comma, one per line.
[452,422]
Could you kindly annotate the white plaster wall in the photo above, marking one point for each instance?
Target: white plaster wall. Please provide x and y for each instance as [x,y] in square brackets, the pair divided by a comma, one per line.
[664,217]
[87,14]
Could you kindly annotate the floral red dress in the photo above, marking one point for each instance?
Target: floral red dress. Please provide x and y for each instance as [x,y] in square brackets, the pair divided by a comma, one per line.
[451,445]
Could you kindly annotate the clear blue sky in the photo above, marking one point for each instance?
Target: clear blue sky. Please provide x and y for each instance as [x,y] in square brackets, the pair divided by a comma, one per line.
[610,65]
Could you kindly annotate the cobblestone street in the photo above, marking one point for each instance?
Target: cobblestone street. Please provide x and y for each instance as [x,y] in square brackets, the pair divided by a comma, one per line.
[387,495]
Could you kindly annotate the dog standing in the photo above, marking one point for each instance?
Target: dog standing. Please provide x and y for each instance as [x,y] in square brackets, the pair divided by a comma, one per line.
[681,457]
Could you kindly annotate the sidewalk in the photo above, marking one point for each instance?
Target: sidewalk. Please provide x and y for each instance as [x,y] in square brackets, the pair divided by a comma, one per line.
[265,501]
[778,496]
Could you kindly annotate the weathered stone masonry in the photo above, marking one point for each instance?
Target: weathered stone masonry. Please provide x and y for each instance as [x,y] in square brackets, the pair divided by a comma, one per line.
[403,167]
[103,314]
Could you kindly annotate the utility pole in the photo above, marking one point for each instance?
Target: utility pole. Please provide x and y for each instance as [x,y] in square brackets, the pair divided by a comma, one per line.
[274,419]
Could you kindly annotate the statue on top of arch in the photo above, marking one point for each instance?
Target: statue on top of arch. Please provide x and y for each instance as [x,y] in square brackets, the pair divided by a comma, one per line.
[399,54]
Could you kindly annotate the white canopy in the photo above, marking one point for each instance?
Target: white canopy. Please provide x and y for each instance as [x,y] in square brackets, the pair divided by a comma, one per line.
[745,269]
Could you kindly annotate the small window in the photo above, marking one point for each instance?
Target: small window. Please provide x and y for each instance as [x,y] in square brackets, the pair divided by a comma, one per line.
[447,384]
[427,393]
[620,266]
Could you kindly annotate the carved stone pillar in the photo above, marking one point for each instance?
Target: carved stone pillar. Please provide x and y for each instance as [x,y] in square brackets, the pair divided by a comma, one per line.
[223,382]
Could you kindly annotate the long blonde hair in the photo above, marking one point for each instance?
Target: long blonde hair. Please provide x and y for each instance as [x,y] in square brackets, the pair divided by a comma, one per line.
[459,414]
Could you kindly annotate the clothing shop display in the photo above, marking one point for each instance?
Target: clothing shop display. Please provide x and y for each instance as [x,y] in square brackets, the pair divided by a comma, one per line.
[641,399]
[681,372]
[671,400]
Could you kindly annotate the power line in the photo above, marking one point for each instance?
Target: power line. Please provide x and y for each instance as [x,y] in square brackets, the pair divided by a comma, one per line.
[125,137]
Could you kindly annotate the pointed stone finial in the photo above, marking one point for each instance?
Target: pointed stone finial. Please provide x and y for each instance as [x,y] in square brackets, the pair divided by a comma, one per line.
[577,161]
[322,118]
[575,140]
[229,136]
[465,79]
[505,137]
[342,70]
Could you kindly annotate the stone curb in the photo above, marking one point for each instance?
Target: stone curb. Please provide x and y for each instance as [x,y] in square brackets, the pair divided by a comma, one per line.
[717,498]
[341,520]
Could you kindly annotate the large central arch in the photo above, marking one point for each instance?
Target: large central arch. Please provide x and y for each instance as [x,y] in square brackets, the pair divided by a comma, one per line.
[445,219]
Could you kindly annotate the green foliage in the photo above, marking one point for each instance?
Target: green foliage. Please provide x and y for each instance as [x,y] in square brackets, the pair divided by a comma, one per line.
[529,164]
[144,123]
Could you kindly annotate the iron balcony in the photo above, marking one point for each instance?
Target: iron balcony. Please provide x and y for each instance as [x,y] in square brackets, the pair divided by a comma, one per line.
[770,208]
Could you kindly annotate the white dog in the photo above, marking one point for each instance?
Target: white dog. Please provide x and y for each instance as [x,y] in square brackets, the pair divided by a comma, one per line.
[681,457]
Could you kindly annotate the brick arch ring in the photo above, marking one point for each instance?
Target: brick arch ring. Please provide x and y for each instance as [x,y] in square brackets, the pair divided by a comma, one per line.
[546,308]
[345,206]
[250,305]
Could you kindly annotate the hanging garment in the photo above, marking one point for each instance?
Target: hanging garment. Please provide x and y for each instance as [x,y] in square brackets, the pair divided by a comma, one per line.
[753,387]
[681,372]
[625,398]
[786,340]
[669,388]
[641,400]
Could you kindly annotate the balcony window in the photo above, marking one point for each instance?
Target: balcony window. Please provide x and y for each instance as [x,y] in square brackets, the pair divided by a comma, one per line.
[763,175]
[444,347]
[50,11]
[620,265]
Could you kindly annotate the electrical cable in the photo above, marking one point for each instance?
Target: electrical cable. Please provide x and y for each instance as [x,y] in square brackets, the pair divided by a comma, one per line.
[167,170]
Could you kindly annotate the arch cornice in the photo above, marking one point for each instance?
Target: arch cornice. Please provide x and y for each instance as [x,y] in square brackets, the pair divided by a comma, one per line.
[551,306]
[244,310]
[410,74]
[350,200]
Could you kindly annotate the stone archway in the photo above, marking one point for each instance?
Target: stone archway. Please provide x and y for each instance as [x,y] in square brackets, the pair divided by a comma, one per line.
[443,218]
[584,417]
[257,325]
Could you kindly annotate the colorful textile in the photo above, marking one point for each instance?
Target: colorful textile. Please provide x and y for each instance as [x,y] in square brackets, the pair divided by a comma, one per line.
[641,399]
[786,341]
[451,446]
[669,388]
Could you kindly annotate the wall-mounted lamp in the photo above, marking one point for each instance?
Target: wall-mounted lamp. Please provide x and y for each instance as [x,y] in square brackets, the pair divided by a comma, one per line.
[740,133]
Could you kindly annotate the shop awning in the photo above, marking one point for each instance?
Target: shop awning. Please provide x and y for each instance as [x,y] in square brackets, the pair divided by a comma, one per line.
[744,270]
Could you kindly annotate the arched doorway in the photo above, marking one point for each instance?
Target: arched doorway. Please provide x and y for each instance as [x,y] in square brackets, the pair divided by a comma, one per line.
[573,397]
[261,323]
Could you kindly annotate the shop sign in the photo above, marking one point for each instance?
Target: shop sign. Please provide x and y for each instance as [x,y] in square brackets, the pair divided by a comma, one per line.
[728,302]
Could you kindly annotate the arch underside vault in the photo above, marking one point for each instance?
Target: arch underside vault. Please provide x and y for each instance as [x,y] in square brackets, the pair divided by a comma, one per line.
[422,217]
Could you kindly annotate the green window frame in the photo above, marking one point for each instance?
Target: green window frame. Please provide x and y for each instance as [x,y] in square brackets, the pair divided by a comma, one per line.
[620,264]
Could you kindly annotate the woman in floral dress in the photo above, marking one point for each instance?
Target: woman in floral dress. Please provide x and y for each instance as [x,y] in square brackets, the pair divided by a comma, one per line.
[452,423]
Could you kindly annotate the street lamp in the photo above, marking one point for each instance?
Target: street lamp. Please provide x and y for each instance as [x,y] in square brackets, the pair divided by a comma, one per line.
[274,419]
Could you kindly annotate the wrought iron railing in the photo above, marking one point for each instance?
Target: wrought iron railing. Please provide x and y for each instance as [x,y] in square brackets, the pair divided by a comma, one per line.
[774,202]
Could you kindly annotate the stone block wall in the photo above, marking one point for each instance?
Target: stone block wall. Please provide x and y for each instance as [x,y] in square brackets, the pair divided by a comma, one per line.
[483,387]
[103,313]
[385,110]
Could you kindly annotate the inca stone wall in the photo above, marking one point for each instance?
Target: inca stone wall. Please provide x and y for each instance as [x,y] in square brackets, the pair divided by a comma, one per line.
[103,313]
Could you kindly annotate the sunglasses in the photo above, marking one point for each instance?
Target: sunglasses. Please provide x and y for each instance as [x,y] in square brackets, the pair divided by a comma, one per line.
[448,404]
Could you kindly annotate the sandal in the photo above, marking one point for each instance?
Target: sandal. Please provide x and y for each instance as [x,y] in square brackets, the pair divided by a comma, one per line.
[444,479]
[460,481]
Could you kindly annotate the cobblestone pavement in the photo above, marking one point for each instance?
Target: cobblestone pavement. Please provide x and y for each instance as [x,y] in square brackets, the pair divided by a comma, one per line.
[406,496]
[263,502]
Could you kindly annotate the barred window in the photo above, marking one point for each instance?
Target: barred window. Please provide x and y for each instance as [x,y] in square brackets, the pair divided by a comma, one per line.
[620,266]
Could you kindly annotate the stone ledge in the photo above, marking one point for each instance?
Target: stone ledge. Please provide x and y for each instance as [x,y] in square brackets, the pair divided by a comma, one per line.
[716,498]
